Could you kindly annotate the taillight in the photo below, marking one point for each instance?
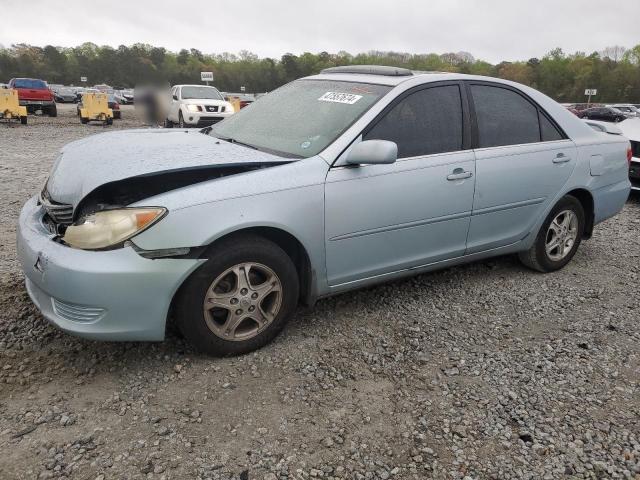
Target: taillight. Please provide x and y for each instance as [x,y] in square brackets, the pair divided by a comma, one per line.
[629,155]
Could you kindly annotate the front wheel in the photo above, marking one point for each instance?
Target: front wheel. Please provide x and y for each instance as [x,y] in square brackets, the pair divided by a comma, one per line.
[240,299]
[558,238]
[181,123]
[53,111]
[23,120]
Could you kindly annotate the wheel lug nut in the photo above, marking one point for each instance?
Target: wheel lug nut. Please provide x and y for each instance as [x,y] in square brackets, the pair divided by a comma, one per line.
[234,301]
[254,295]
[239,311]
[244,291]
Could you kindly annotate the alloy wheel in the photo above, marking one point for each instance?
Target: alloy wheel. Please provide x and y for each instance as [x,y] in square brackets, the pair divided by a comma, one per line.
[242,301]
[561,235]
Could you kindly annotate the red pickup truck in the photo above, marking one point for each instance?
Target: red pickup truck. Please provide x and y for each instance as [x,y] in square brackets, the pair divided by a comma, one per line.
[35,95]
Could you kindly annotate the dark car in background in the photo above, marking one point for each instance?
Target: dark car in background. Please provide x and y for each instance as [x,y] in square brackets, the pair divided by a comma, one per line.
[34,94]
[606,114]
[65,95]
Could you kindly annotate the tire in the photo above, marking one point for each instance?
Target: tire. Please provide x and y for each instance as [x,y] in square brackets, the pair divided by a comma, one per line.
[181,123]
[117,115]
[84,120]
[168,123]
[538,257]
[23,120]
[109,121]
[206,329]
[52,111]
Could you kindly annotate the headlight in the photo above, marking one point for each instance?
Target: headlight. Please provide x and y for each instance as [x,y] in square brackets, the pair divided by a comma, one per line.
[111,227]
[194,108]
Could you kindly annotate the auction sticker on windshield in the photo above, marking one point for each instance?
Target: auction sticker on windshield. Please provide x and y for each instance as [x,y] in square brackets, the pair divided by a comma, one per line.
[348,98]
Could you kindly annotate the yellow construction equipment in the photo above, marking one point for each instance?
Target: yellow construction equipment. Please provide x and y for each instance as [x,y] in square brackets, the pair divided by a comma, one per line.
[95,108]
[10,108]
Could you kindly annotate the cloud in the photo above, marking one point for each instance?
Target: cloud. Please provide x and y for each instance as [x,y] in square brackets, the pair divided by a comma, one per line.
[492,30]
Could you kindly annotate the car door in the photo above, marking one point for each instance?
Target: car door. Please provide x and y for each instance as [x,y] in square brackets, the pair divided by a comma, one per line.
[522,161]
[386,218]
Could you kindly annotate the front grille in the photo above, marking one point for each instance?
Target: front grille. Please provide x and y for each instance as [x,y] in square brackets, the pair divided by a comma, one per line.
[60,213]
[77,313]
[213,108]
[206,121]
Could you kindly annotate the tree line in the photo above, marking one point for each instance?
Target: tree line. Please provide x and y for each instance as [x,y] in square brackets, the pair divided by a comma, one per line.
[614,71]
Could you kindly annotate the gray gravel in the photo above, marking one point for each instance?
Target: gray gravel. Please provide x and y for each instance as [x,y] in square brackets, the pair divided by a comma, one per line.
[481,371]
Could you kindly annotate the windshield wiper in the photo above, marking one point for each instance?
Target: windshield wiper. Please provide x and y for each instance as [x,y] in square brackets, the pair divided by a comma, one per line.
[238,142]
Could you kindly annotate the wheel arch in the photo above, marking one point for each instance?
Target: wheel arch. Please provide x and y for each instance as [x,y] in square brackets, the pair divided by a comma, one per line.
[291,245]
[585,198]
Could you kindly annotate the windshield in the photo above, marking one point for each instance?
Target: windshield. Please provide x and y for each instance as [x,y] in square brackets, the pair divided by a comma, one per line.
[201,93]
[301,118]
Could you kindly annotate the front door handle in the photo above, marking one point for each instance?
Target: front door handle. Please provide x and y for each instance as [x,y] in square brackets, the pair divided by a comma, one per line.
[459,174]
[561,158]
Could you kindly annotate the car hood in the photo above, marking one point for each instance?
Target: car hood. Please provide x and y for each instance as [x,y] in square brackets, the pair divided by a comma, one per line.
[195,101]
[86,164]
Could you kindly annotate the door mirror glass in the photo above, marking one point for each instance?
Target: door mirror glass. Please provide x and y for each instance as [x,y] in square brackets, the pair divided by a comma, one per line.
[175,97]
[373,152]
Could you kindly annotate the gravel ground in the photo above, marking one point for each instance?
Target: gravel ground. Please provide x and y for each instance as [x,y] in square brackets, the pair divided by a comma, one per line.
[481,371]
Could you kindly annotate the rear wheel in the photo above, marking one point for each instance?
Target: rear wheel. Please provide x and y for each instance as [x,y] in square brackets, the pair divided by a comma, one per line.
[52,111]
[23,120]
[558,238]
[168,123]
[240,298]
[109,121]
[84,120]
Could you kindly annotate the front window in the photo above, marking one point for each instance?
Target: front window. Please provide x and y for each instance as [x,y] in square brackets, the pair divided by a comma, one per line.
[301,118]
[201,93]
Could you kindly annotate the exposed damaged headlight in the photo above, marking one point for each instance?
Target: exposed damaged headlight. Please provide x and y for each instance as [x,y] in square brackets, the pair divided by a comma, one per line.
[110,227]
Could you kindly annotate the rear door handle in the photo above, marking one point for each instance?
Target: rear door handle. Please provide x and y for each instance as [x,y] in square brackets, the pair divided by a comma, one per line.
[459,174]
[561,158]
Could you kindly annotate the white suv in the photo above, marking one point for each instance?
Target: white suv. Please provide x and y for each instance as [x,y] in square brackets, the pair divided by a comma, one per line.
[196,106]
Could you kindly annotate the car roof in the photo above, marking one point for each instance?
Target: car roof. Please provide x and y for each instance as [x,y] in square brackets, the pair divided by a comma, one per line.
[189,85]
[377,75]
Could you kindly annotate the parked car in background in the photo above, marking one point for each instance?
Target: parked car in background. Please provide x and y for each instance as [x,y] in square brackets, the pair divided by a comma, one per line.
[606,114]
[577,113]
[65,95]
[629,110]
[631,129]
[112,102]
[34,94]
[128,95]
[341,180]
[196,106]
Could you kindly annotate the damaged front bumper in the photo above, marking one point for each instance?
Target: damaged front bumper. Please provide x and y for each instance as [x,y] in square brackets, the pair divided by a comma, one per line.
[108,295]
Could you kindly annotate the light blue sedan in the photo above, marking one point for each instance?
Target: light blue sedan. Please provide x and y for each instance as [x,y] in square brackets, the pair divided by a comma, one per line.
[333,182]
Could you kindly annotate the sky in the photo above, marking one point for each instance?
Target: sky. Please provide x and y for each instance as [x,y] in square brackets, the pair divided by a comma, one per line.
[491,30]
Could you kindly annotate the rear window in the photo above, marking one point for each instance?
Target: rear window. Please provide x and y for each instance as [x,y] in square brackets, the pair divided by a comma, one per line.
[30,83]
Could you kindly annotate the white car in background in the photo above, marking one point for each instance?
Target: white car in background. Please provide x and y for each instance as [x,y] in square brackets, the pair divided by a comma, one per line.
[631,129]
[196,106]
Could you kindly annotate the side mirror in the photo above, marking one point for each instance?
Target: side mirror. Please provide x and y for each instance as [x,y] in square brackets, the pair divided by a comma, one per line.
[373,152]
[175,97]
